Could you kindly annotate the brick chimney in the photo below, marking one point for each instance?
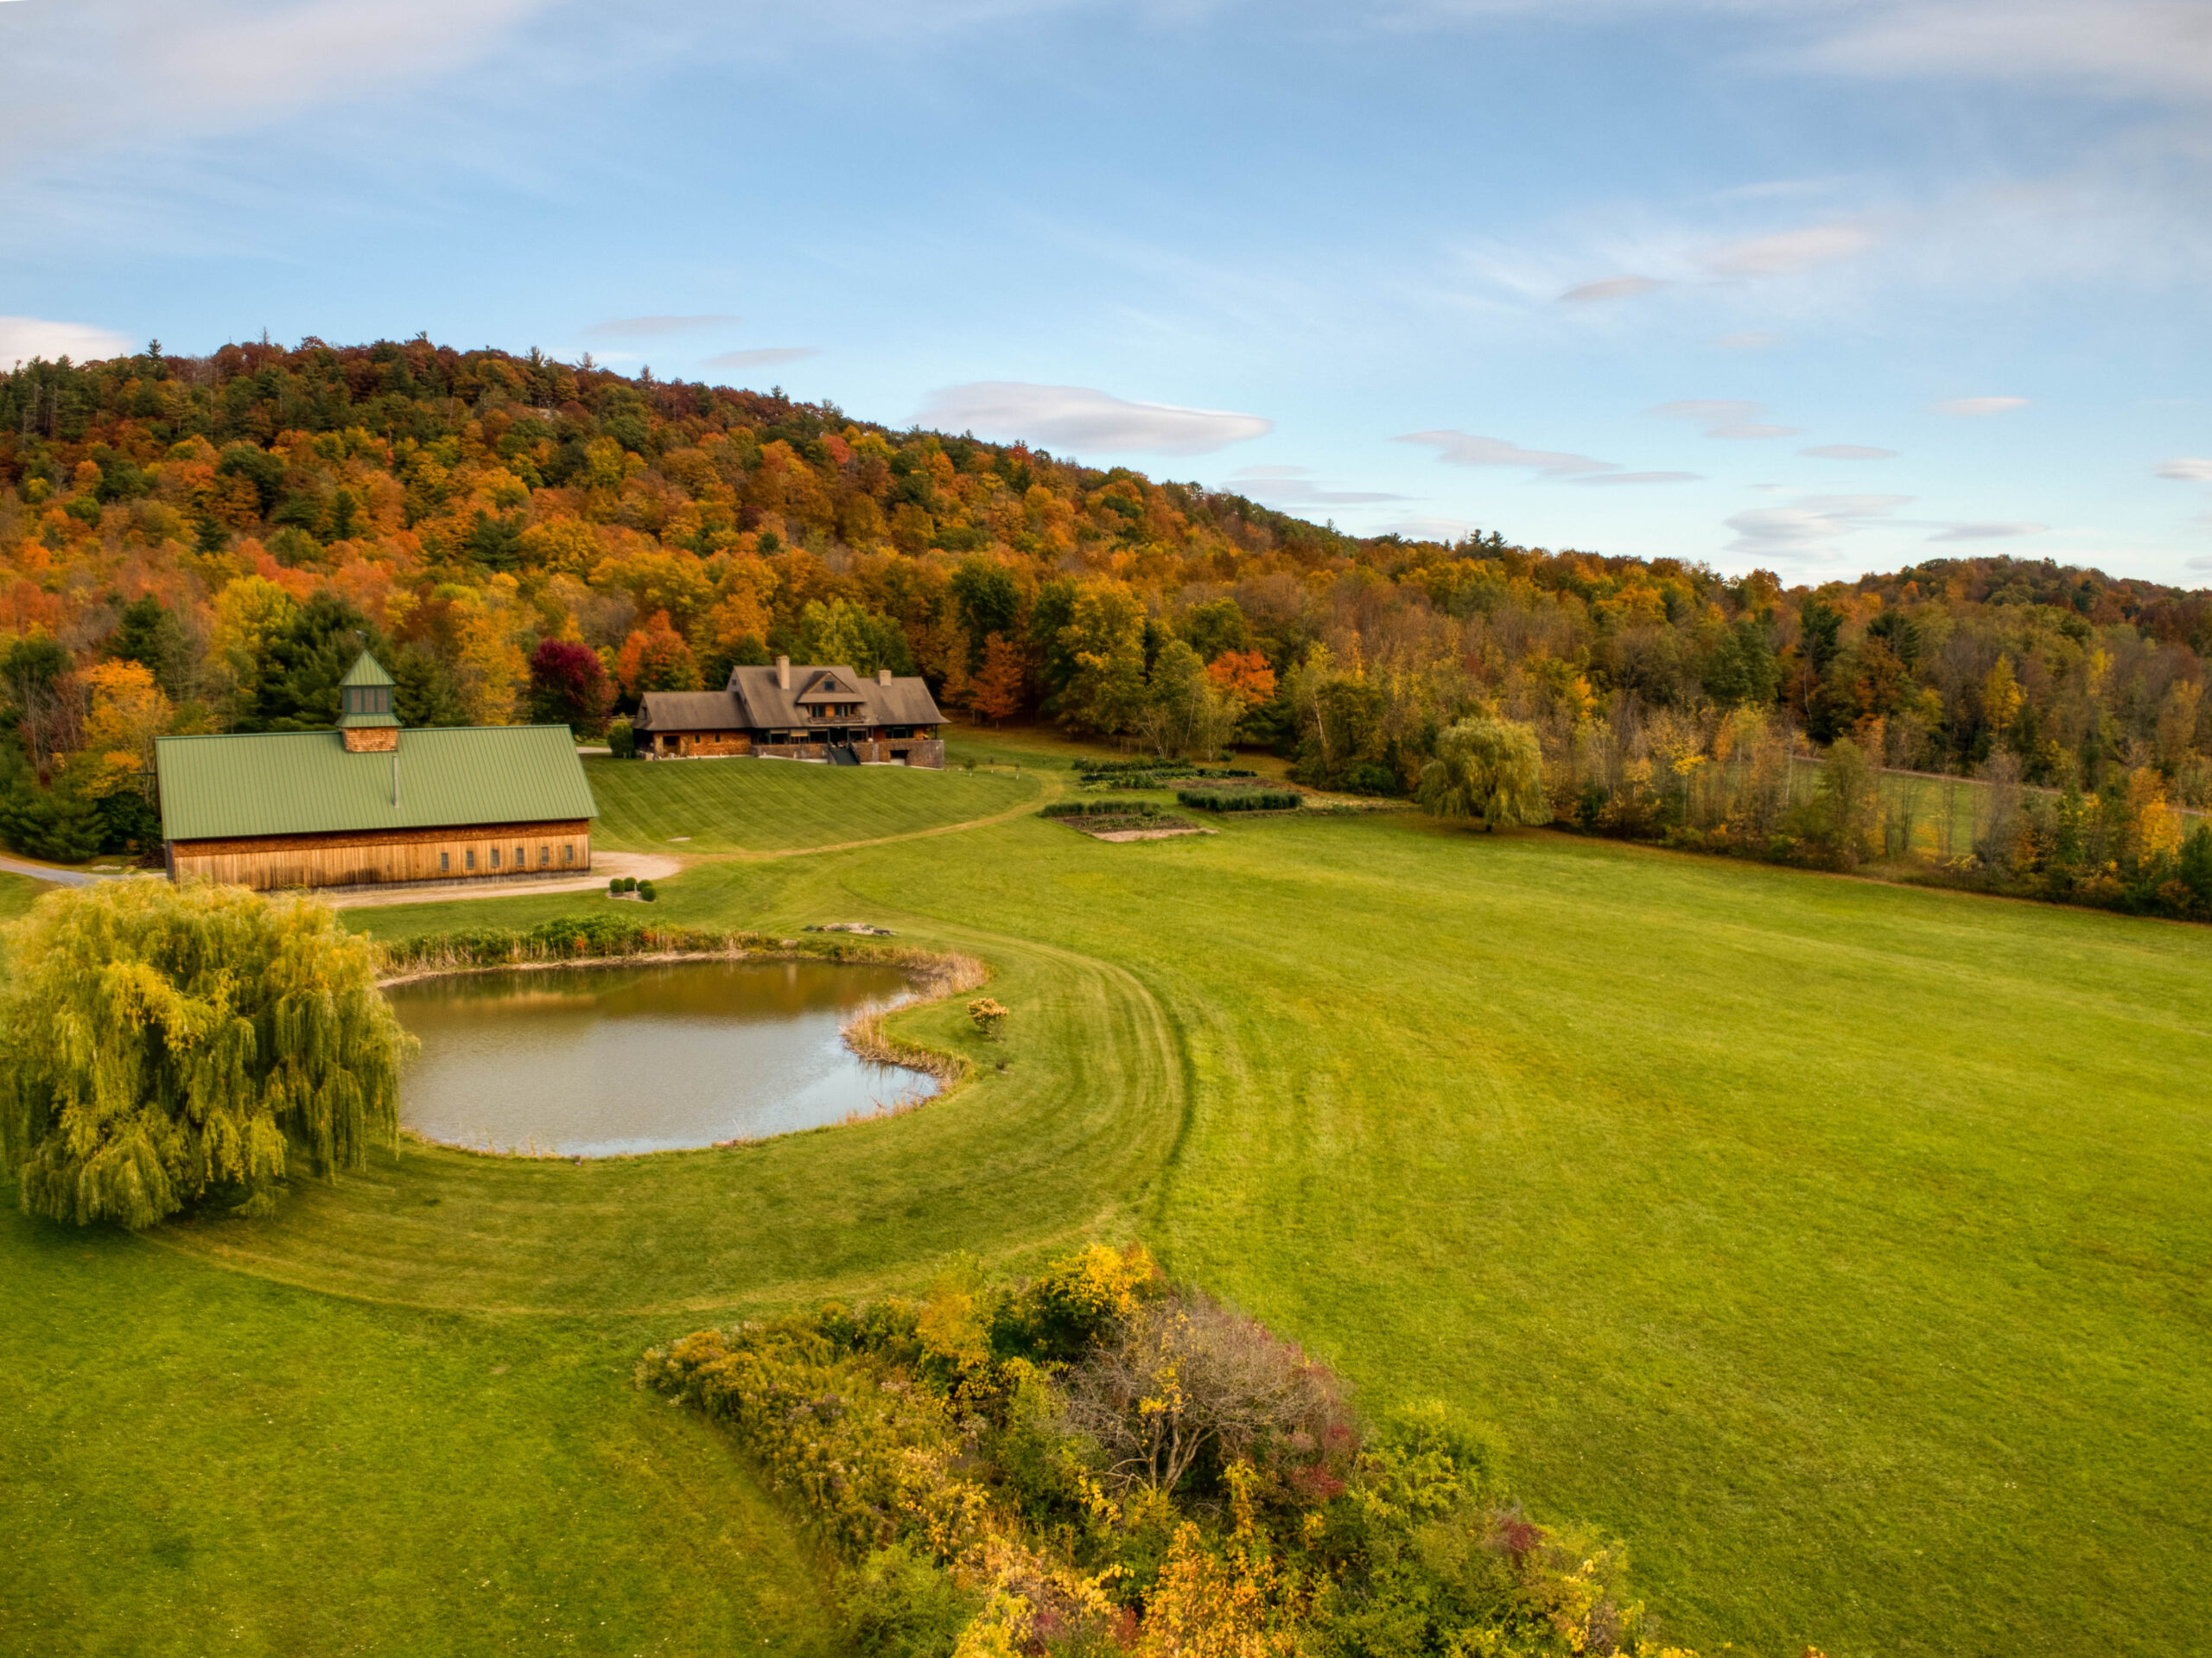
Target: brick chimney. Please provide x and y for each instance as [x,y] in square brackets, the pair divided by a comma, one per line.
[883,676]
[783,673]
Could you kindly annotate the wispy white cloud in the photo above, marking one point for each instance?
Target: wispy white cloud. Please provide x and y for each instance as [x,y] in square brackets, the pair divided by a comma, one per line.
[1785,253]
[22,338]
[1975,408]
[1724,417]
[2189,468]
[1466,449]
[654,328]
[763,356]
[2123,47]
[1849,452]
[1999,532]
[1084,419]
[1610,288]
[1808,525]
[1294,487]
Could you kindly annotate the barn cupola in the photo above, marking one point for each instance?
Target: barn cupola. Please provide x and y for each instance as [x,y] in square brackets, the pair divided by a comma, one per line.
[364,717]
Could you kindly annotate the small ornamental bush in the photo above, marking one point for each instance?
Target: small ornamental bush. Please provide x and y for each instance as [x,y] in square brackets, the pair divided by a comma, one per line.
[1239,800]
[988,1016]
[621,740]
[613,885]
[629,883]
[645,892]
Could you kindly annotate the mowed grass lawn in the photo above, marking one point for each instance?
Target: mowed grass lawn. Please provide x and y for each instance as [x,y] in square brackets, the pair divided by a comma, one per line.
[748,806]
[1844,1248]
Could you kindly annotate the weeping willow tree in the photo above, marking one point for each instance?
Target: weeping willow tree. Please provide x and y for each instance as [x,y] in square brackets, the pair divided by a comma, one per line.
[158,1044]
[1490,769]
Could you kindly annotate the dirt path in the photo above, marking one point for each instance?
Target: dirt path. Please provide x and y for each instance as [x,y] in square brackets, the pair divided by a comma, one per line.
[645,866]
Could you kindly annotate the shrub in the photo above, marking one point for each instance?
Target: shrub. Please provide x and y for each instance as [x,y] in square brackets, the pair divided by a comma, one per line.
[1186,1387]
[988,1016]
[629,883]
[159,1043]
[645,892]
[899,1604]
[622,740]
[613,885]
[1239,800]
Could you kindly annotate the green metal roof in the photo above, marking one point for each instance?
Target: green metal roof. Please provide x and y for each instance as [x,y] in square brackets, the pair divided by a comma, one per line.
[305,783]
[366,670]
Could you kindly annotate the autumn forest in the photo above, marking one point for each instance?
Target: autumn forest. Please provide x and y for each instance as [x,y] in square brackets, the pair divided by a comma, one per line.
[204,543]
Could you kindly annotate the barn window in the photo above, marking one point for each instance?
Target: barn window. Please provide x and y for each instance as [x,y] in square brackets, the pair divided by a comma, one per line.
[522,857]
[468,859]
[445,862]
[546,857]
[569,854]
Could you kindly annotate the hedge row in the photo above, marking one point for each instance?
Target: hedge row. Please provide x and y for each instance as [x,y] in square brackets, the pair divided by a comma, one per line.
[1239,800]
[1099,809]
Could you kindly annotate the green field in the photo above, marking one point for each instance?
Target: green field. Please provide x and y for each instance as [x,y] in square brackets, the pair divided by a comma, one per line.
[18,894]
[1844,1248]
[743,805]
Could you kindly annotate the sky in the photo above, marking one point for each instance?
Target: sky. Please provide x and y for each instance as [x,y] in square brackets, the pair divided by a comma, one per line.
[1816,286]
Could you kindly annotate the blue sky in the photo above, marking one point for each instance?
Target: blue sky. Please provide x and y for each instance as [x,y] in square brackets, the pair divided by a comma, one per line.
[1821,287]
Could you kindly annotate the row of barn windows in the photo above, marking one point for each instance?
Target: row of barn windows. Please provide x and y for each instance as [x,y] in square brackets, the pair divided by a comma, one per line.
[522,858]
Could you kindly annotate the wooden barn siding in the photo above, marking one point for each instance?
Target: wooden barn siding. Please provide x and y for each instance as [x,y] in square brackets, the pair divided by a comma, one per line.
[702,742]
[384,855]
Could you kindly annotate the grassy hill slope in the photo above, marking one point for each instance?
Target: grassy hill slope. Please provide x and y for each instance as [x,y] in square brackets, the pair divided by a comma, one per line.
[1844,1248]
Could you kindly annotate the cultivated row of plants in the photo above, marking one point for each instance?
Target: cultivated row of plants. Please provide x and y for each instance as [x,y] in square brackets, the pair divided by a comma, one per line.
[1239,800]
[1097,808]
[1098,1461]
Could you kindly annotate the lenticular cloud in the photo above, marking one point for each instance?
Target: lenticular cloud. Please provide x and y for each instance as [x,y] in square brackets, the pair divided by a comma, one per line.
[1084,420]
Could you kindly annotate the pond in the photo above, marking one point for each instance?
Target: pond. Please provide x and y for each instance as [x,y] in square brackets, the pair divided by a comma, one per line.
[601,1061]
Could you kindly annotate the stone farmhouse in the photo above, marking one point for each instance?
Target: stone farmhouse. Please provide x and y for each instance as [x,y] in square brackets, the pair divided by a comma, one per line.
[370,802]
[825,713]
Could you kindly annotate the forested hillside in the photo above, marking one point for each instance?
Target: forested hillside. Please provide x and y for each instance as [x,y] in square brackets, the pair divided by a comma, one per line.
[197,544]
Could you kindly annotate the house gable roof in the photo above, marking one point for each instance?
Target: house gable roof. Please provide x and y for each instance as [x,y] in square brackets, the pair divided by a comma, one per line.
[306,782]
[766,705]
[690,711]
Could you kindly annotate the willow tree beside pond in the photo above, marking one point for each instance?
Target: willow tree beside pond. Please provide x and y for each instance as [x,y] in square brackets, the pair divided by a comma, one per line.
[158,1046]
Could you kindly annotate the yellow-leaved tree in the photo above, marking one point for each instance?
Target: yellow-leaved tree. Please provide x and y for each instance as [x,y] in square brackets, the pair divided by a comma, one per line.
[159,1044]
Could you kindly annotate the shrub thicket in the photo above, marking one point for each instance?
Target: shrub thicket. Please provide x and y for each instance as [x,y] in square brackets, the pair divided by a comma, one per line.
[1096,1462]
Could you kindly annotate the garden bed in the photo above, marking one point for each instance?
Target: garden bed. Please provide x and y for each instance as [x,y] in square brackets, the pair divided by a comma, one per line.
[1132,826]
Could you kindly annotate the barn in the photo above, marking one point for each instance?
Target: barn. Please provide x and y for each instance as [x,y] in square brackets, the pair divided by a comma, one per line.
[826,712]
[370,802]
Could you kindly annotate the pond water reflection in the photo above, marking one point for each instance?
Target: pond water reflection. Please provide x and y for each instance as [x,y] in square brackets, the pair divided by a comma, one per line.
[599,1061]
